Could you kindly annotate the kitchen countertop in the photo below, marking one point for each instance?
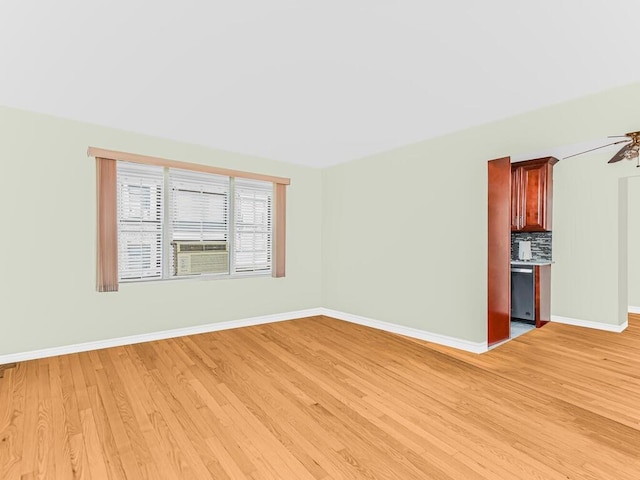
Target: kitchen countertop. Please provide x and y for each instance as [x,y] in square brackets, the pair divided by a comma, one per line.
[531,262]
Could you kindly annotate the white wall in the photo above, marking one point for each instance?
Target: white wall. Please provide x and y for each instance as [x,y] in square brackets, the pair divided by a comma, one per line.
[634,242]
[405,236]
[47,210]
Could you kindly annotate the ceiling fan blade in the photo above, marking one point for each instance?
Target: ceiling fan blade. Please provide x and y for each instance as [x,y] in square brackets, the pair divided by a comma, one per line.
[597,148]
[620,155]
[630,135]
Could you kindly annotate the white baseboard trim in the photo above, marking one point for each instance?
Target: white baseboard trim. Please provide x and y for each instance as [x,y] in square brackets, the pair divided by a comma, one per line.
[161,335]
[473,347]
[247,322]
[589,324]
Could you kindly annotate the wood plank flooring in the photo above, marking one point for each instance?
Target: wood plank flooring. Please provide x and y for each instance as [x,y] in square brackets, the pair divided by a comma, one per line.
[6,367]
[318,398]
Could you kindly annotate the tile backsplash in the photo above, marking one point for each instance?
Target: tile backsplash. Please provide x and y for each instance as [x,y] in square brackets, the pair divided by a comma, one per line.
[540,244]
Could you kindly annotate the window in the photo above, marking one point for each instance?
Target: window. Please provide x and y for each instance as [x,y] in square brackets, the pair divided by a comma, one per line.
[174,222]
[253,235]
[140,213]
[161,219]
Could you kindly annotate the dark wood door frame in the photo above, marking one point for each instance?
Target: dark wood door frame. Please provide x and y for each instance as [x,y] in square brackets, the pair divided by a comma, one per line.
[499,251]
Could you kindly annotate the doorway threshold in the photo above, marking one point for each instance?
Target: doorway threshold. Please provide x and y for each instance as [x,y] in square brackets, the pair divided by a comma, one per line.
[516,329]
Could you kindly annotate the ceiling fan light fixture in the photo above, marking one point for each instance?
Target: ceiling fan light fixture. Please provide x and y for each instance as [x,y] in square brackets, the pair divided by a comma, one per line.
[632,152]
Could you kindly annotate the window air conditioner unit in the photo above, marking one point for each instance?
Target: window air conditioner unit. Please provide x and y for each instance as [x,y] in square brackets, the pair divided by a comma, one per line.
[195,258]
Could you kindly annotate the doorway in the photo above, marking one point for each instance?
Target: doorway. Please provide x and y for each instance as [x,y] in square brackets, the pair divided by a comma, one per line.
[633,239]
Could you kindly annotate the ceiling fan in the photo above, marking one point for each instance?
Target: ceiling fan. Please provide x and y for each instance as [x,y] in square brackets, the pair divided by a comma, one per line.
[629,151]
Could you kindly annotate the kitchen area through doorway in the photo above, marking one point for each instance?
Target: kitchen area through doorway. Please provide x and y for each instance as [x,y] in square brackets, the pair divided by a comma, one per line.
[520,244]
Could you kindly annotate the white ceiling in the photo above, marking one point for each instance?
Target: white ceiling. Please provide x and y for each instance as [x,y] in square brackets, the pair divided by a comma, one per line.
[313,83]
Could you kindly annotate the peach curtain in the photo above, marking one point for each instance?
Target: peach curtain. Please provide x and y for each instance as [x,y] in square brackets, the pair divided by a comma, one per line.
[107,248]
[280,230]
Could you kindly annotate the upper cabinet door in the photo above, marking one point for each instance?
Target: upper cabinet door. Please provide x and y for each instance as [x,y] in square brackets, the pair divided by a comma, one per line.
[533,194]
[534,189]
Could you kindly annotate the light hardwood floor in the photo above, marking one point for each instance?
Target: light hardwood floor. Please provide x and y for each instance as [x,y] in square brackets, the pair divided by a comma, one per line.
[318,398]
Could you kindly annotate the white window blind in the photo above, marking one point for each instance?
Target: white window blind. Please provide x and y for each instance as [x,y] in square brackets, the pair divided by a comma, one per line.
[140,215]
[174,222]
[253,225]
[199,206]
[199,213]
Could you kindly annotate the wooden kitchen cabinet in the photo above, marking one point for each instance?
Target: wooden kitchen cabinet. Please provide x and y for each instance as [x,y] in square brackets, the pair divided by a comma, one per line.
[532,194]
[542,294]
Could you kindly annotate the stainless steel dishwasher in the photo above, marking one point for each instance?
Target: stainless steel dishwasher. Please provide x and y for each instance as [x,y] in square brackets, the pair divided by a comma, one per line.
[523,293]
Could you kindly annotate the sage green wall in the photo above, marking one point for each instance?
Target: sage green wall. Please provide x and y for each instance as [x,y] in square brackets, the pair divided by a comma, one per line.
[405,237]
[398,237]
[634,241]
[47,210]
[590,223]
